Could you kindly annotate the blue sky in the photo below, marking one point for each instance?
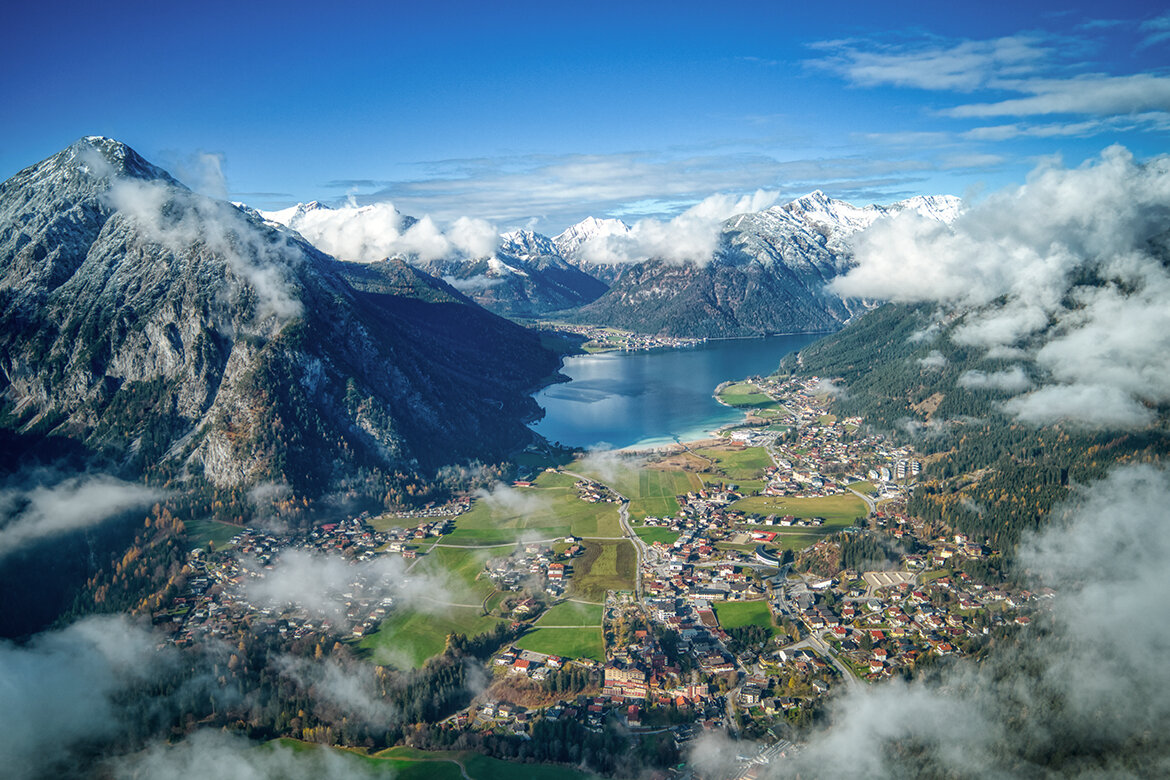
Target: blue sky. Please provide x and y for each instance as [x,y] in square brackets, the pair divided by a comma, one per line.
[543,113]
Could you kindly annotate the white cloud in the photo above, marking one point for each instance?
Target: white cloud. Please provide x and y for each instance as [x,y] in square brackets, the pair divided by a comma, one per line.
[227,757]
[933,361]
[962,66]
[374,232]
[1012,380]
[59,691]
[1157,30]
[184,222]
[692,236]
[1016,266]
[509,501]
[318,583]
[28,515]
[1088,94]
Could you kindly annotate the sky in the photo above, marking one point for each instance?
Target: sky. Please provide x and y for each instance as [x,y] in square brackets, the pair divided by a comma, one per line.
[540,114]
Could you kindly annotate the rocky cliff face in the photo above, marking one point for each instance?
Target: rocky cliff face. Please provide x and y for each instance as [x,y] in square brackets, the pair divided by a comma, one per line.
[175,334]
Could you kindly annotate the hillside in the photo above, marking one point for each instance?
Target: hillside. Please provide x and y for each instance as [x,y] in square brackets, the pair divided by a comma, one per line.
[986,474]
[180,337]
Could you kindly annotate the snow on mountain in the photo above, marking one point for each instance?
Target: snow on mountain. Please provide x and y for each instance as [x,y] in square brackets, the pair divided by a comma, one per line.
[526,245]
[588,229]
[767,274]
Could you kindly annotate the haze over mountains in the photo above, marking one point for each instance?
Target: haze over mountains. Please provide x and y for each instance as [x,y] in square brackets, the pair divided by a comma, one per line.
[755,273]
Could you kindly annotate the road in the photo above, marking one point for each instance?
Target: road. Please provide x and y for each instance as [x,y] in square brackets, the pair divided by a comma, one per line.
[869,502]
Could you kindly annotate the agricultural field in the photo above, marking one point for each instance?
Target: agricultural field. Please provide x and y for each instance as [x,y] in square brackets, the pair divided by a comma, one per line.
[651,491]
[408,638]
[839,511]
[551,510]
[603,567]
[202,532]
[744,395]
[739,464]
[650,535]
[734,614]
[583,642]
[572,613]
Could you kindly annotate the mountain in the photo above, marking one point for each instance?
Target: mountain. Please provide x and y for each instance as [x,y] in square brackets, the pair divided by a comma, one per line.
[572,245]
[768,274]
[523,274]
[183,337]
[900,368]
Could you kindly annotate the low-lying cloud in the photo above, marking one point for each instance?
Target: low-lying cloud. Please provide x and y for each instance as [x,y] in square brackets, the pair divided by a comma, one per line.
[183,222]
[1069,269]
[59,691]
[509,501]
[366,234]
[319,583]
[692,236]
[28,515]
[228,757]
[1011,380]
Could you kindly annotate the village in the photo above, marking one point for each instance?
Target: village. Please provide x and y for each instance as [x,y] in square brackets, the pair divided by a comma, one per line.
[742,616]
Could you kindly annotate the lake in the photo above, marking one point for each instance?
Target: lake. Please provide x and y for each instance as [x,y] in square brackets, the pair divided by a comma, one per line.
[647,398]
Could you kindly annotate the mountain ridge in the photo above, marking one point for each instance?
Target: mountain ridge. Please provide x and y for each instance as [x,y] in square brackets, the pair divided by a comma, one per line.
[179,336]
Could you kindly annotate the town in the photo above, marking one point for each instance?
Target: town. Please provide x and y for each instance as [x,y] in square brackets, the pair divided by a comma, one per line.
[788,572]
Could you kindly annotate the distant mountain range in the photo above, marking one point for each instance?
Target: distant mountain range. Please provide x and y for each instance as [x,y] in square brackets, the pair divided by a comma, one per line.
[181,336]
[523,275]
[766,275]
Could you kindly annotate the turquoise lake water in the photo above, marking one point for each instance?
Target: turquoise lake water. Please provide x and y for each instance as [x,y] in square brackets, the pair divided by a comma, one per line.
[641,399]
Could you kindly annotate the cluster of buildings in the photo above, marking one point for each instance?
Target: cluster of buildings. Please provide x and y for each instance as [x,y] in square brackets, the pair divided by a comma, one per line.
[534,566]
[214,600]
[608,338]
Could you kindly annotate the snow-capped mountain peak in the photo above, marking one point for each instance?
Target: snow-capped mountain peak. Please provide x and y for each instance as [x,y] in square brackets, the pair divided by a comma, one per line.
[586,230]
[527,244]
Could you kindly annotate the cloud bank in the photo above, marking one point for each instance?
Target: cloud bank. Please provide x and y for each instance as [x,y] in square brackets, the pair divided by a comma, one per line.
[184,222]
[28,515]
[692,236]
[59,691]
[319,583]
[375,232]
[1070,269]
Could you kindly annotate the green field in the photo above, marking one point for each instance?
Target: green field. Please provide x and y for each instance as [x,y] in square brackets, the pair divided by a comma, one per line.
[200,532]
[406,763]
[604,566]
[547,511]
[739,464]
[734,614]
[408,638]
[863,487]
[572,613]
[652,491]
[745,395]
[479,767]
[839,511]
[585,642]
[652,534]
